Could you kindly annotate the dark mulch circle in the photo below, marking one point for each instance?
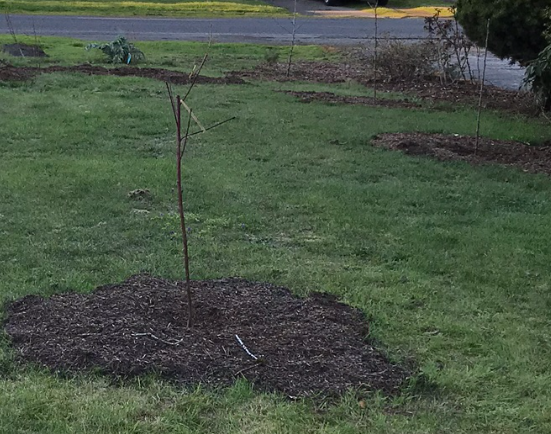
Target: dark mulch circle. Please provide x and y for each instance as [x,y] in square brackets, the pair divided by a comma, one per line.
[23,50]
[9,72]
[330,97]
[305,347]
[534,159]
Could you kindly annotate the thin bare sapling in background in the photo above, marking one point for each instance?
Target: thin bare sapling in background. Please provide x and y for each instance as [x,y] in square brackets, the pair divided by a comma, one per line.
[293,39]
[183,134]
[452,45]
[376,48]
[482,80]
[11,29]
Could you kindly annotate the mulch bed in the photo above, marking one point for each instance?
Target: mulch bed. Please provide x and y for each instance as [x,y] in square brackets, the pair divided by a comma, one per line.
[330,97]
[534,159]
[425,88]
[23,50]
[9,72]
[465,93]
[306,347]
[311,71]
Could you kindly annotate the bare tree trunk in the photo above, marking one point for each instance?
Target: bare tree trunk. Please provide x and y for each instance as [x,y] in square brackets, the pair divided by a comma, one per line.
[482,88]
[293,39]
[376,54]
[181,144]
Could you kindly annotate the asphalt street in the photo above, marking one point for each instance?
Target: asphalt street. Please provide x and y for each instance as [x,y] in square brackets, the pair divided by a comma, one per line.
[319,31]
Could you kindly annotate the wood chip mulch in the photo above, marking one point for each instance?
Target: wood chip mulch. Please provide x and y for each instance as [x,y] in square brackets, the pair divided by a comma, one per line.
[425,88]
[329,97]
[305,347]
[533,159]
[11,73]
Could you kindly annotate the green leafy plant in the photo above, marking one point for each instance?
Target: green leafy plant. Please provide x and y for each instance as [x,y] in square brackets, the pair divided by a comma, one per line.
[538,78]
[119,51]
[271,56]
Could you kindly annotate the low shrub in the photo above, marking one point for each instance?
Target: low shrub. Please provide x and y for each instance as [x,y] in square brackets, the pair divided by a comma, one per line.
[119,51]
[398,60]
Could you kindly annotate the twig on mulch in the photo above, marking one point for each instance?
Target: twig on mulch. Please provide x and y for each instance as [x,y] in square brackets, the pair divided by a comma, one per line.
[257,360]
[248,368]
[242,345]
[151,335]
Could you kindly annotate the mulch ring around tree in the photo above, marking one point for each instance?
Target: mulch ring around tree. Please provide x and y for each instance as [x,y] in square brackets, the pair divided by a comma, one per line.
[534,159]
[300,347]
[23,50]
[329,97]
[12,73]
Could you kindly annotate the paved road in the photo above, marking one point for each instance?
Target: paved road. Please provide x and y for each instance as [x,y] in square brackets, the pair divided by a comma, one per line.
[343,31]
[257,30]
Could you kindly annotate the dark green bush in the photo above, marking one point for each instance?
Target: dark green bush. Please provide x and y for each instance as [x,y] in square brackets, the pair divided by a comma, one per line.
[517,27]
[538,78]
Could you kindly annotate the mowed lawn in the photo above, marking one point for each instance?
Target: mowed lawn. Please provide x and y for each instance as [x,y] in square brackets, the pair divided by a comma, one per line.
[449,262]
[163,8]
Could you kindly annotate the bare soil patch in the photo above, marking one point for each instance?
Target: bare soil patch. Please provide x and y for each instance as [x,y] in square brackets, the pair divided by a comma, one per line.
[425,88]
[330,97]
[9,72]
[305,347]
[534,159]
[23,50]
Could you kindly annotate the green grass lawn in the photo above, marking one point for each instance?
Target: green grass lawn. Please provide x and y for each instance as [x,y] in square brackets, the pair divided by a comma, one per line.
[162,8]
[449,261]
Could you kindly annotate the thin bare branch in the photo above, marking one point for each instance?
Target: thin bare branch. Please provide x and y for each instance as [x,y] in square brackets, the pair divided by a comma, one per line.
[186,135]
[171,97]
[211,127]
[196,76]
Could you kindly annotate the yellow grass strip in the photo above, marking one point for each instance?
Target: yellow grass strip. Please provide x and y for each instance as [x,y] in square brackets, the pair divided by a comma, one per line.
[420,12]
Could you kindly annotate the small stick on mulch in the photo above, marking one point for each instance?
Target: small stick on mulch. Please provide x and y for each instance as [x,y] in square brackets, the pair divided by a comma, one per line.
[245,348]
[164,341]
